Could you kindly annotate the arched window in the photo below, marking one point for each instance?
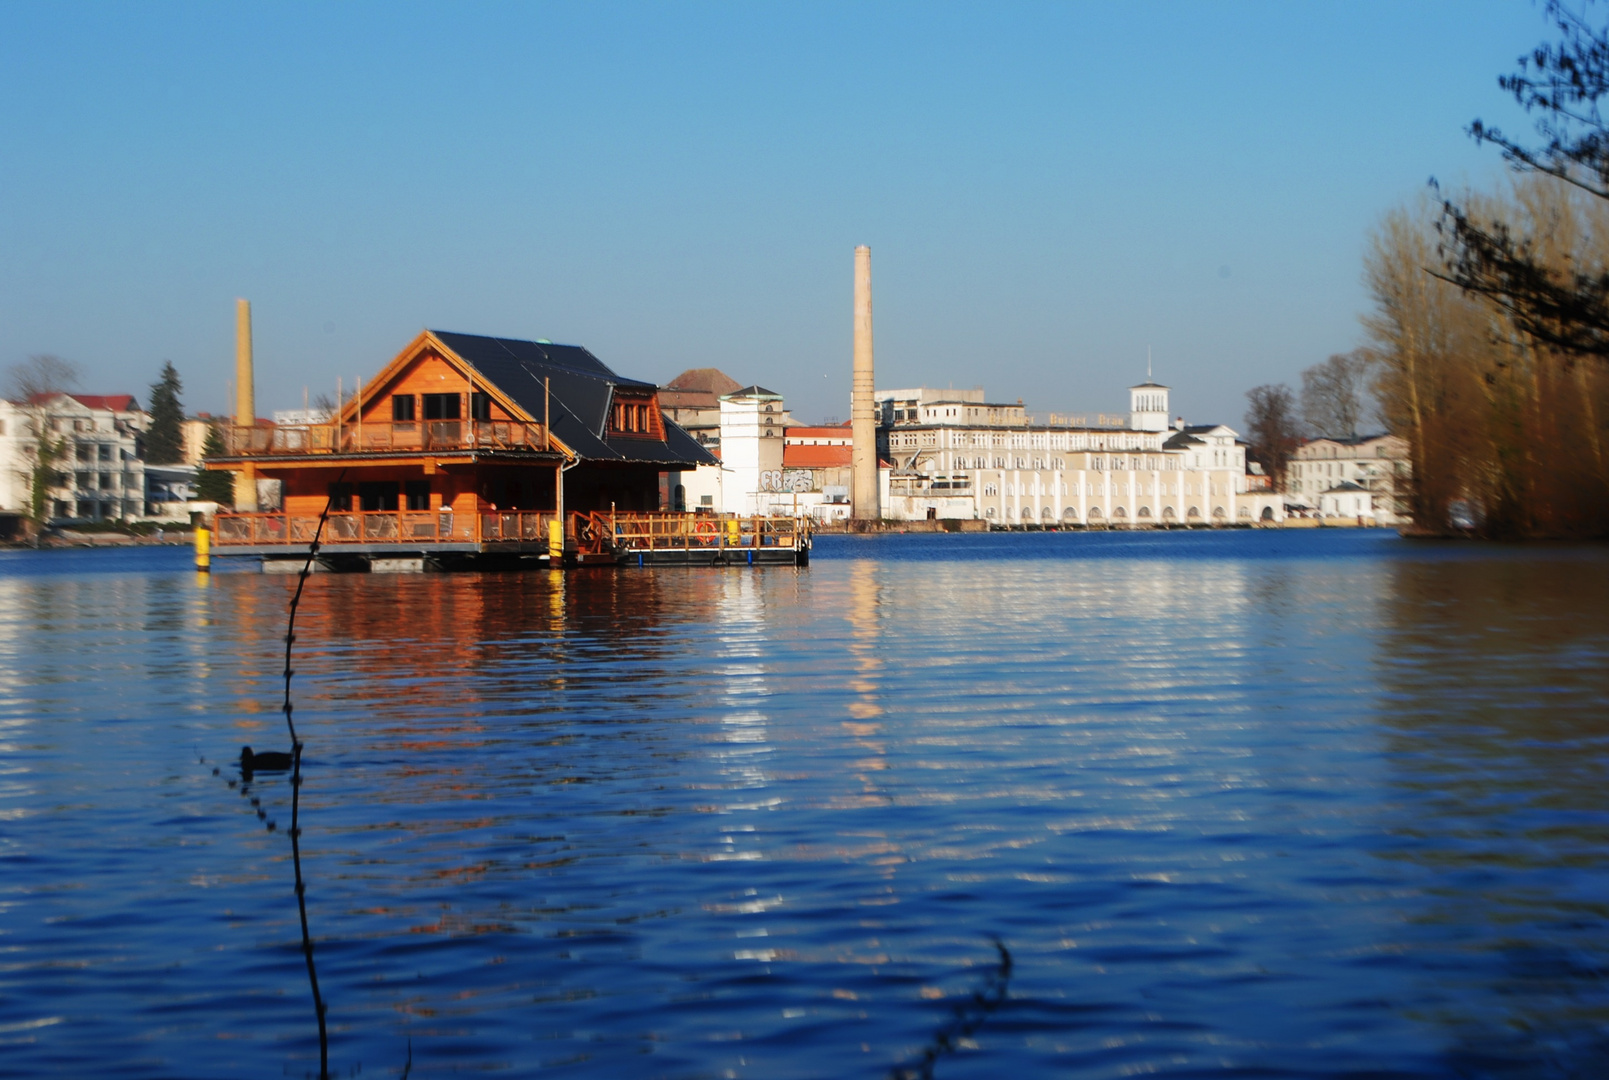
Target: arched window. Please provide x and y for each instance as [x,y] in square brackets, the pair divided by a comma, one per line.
[1145,512]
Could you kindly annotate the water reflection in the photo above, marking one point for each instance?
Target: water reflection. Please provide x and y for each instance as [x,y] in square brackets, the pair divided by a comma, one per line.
[1496,676]
[1225,805]
[866,632]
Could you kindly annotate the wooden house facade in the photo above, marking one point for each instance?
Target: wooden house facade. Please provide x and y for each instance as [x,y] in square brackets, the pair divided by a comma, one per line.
[462,446]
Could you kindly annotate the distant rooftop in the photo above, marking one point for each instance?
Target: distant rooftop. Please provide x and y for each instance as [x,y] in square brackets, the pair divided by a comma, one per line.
[707,380]
[752,391]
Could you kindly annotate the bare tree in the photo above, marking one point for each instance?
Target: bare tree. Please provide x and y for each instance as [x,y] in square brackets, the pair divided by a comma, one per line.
[1506,430]
[29,383]
[1271,429]
[40,375]
[1333,395]
[1564,307]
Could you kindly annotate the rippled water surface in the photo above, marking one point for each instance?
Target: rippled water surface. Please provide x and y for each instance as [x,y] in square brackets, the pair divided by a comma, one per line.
[1256,804]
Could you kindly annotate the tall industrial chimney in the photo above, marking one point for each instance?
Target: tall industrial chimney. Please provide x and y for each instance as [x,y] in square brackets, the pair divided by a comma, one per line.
[245,404]
[862,408]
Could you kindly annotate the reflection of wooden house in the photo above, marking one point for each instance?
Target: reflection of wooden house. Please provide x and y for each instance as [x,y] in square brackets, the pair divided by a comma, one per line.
[462,446]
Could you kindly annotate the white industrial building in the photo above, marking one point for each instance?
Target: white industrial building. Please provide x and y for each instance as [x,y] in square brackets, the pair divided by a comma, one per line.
[951,454]
[959,456]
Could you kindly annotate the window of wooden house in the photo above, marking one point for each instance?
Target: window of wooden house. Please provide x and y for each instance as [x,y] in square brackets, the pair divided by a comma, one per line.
[443,406]
[341,498]
[632,417]
[378,495]
[417,493]
[402,406]
[629,417]
[480,406]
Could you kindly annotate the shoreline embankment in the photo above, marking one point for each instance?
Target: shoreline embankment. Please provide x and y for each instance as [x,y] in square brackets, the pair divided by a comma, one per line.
[72,538]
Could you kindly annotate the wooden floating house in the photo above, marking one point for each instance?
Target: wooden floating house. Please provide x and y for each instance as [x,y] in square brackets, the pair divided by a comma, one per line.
[470,451]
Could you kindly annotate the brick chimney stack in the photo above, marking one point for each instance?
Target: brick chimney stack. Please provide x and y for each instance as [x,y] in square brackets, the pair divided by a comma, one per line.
[862,408]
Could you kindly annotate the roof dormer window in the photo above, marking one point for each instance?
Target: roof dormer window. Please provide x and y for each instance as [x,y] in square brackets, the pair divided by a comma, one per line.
[633,417]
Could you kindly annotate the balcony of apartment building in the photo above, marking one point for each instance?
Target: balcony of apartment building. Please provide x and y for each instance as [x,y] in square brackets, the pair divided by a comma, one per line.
[920,484]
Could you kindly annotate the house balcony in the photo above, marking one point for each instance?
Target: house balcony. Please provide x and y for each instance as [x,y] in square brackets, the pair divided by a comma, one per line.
[641,537]
[383,438]
[381,532]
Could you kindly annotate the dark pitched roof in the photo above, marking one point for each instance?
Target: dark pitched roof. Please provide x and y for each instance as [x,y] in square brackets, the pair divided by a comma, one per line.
[581,389]
[1181,440]
[753,391]
[1353,440]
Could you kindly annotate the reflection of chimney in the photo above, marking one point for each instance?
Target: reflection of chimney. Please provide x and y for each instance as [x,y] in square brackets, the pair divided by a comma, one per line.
[245,404]
[862,414]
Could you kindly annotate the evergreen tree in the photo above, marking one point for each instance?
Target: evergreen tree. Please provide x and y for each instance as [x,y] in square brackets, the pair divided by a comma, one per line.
[164,441]
[211,486]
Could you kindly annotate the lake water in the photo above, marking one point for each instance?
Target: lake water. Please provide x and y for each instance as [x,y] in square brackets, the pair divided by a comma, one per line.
[1243,804]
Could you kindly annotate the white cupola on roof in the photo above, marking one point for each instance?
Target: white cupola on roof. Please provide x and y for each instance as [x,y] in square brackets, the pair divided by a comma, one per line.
[1148,406]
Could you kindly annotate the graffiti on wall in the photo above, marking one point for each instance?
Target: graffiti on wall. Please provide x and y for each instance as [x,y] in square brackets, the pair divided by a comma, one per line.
[787,480]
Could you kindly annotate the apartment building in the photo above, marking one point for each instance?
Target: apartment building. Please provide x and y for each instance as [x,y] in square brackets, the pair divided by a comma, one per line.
[1377,464]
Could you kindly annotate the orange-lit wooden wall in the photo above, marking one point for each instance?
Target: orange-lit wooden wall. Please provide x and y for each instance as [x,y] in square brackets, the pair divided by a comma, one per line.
[462,488]
[427,373]
[455,485]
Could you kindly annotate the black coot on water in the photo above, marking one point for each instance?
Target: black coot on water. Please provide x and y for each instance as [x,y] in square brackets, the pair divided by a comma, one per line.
[269,761]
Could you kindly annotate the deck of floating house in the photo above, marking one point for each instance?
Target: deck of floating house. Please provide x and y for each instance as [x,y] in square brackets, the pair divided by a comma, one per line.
[471,451]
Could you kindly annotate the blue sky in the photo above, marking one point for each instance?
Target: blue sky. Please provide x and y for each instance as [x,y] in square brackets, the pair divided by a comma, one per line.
[1048,189]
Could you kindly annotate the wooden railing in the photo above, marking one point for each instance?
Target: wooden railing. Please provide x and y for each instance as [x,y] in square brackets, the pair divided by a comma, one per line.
[670,531]
[522,526]
[387,437]
[347,527]
[585,533]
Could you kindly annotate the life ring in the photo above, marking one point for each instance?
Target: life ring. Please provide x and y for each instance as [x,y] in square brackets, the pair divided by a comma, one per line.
[705,530]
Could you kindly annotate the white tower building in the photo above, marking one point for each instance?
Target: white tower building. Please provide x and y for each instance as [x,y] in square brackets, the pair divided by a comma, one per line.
[1148,406]
[751,448]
